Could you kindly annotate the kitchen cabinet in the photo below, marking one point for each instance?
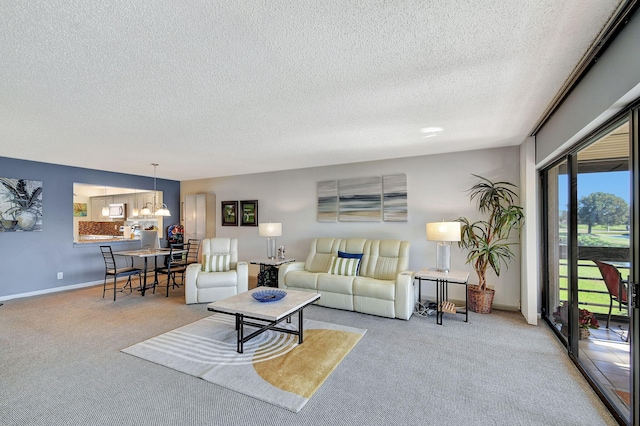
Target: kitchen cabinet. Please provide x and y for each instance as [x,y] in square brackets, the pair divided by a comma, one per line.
[199,216]
[121,199]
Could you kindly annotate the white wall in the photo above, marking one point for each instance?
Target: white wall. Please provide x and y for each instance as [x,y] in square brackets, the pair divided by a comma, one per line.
[530,252]
[436,187]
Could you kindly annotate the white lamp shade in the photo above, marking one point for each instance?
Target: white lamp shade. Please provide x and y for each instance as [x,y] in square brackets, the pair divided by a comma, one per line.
[270,229]
[443,231]
[163,211]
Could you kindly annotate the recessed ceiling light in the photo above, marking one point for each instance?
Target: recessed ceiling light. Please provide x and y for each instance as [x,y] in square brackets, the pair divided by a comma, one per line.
[431,129]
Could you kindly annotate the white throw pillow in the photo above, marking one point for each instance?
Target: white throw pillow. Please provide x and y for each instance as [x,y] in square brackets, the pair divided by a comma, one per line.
[344,266]
[215,262]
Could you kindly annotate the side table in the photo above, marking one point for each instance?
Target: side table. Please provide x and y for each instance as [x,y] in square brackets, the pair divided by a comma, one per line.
[442,280]
[268,275]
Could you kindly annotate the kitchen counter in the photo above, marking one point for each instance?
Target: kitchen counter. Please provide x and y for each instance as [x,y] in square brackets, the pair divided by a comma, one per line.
[89,239]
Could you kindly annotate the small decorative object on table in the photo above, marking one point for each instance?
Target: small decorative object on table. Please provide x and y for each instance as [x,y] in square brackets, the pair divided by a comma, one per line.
[270,295]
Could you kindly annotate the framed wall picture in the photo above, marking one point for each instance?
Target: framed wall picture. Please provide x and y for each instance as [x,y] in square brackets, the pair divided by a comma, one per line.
[79,209]
[20,205]
[229,213]
[249,213]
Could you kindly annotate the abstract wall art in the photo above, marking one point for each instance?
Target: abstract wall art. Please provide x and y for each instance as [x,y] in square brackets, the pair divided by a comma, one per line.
[365,199]
[79,209]
[328,201]
[394,198]
[360,199]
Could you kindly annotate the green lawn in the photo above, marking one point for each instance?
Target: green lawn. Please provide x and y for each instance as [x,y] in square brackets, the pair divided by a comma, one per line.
[586,270]
[588,273]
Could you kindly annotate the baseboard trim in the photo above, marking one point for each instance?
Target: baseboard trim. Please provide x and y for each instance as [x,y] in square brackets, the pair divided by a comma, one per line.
[50,290]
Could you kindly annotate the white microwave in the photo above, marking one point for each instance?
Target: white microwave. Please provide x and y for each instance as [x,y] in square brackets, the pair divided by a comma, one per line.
[117,211]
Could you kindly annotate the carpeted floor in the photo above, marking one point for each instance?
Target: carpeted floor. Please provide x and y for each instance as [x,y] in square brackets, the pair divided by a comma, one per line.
[60,363]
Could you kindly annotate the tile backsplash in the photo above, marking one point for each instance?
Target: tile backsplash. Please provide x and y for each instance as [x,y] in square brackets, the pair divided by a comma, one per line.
[100,228]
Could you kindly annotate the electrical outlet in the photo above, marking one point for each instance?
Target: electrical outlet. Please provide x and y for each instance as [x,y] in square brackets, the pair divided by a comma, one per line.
[60,275]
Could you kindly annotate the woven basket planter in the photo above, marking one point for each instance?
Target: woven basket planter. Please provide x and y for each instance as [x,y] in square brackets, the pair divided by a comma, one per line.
[480,301]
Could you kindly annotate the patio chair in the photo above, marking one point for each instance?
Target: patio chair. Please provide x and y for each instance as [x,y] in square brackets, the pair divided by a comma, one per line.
[615,285]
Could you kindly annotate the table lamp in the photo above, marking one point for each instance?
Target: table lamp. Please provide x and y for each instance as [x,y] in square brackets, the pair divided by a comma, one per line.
[443,233]
[271,231]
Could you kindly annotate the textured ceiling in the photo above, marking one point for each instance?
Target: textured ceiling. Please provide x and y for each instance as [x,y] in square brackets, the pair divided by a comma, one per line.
[222,88]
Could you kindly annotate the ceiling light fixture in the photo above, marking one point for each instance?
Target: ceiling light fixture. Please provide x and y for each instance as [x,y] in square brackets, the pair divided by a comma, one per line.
[105,209]
[135,211]
[431,129]
[160,209]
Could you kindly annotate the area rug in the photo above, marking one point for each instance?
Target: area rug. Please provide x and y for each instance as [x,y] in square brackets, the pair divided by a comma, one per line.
[273,368]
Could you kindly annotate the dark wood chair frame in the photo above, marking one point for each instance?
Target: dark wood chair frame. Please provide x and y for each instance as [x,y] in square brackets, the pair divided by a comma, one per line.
[615,285]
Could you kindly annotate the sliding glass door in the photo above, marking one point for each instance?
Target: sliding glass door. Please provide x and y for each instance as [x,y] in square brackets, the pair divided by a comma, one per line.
[604,263]
[590,231]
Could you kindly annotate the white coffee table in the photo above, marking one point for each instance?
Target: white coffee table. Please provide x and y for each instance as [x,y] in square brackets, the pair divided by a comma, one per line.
[243,306]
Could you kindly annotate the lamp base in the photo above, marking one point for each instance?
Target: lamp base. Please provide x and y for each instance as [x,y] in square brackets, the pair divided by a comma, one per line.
[443,257]
[271,248]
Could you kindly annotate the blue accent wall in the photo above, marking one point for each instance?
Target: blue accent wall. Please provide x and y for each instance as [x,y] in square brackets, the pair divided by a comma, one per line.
[30,261]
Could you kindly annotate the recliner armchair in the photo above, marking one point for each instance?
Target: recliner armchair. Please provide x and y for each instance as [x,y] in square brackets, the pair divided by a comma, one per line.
[225,276]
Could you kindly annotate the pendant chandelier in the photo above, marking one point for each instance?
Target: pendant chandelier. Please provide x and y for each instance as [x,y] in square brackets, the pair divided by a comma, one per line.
[159,209]
[105,209]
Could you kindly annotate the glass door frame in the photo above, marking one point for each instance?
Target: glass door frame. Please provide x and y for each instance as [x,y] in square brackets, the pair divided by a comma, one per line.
[632,116]
[634,316]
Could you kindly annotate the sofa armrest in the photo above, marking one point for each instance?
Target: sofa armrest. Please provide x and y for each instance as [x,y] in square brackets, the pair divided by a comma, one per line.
[405,295]
[285,268]
[190,287]
[242,269]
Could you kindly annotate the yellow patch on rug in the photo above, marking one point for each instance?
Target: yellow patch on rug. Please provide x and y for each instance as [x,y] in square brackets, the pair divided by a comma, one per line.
[303,370]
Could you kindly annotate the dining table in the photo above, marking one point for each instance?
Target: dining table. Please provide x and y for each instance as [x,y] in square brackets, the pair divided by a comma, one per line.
[145,254]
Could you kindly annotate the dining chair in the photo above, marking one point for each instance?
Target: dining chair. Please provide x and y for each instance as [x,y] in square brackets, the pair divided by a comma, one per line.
[111,269]
[175,264]
[193,249]
[615,285]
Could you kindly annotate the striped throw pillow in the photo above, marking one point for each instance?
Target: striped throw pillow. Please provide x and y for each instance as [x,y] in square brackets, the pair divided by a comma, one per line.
[215,262]
[344,266]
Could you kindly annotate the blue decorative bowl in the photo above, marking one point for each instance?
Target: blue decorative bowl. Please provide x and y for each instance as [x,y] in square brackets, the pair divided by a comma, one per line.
[268,295]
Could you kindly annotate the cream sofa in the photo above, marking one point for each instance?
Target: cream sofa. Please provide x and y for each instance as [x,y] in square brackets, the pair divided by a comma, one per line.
[201,287]
[382,286]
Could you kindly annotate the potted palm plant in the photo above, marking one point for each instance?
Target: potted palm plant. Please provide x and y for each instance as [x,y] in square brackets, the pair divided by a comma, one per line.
[487,241]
